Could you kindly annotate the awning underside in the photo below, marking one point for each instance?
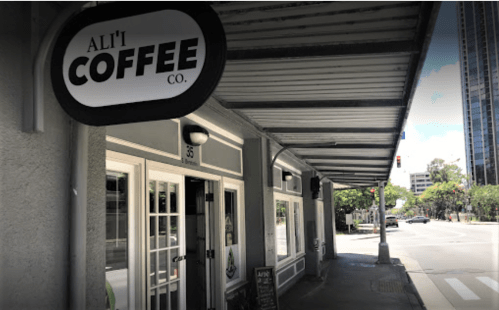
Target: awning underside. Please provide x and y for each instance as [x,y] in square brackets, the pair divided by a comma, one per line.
[321,72]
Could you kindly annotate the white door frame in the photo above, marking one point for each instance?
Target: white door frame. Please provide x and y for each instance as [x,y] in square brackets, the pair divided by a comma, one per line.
[217,213]
[134,166]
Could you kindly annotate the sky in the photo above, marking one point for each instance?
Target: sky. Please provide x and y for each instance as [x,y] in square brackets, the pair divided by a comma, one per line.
[434,128]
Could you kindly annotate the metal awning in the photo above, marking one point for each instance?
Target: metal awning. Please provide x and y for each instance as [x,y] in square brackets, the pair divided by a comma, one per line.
[307,73]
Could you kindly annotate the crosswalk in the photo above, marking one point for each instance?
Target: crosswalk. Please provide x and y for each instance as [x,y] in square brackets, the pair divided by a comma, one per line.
[478,284]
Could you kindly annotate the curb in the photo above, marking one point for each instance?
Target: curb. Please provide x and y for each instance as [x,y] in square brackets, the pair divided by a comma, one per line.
[426,291]
[409,288]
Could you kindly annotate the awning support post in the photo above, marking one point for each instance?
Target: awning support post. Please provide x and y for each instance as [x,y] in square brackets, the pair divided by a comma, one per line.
[384,252]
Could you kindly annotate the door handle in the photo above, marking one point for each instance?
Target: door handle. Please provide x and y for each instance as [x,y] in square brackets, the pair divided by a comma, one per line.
[178,258]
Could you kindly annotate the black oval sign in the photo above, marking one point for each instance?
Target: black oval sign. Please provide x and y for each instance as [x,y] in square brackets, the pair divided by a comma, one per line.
[131,62]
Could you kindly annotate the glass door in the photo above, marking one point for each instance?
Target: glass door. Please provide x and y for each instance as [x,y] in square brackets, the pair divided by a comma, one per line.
[165,245]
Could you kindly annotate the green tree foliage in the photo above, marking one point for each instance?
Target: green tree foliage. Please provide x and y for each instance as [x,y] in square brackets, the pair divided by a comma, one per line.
[392,194]
[346,201]
[395,211]
[485,199]
[440,172]
[441,197]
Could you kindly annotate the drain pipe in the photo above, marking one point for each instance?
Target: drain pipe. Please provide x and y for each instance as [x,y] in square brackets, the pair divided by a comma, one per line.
[78,228]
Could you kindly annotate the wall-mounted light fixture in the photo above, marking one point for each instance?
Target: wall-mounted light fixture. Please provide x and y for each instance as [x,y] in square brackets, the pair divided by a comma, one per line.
[195,135]
[287,176]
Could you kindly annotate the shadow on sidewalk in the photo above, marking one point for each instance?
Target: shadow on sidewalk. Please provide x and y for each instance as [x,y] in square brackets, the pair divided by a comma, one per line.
[354,281]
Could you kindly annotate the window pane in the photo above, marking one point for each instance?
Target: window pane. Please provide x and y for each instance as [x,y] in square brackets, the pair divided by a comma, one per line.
[153,268]
[117,239]
[116,220]
[163,298]
[173,197]
[162,197]
[230,218]
[282,233]
[173,230]
[162,232]
[163,266]
[174,296]
[297,227]
[152,232]
[153,300]
[152,194]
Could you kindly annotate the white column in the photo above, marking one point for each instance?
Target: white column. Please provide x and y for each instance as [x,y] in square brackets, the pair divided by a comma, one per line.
[384,252]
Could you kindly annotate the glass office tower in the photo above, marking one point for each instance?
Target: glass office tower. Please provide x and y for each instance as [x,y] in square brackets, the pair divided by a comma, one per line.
[478,29]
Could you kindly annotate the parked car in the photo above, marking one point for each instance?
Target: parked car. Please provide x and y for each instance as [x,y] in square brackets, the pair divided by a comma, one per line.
[391,220]
[418,219]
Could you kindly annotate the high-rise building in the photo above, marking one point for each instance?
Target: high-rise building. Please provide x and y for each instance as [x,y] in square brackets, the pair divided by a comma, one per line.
[478,29]
[419,182]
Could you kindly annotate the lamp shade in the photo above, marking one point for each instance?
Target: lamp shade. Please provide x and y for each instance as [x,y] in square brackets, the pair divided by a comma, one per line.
[195,135]
[287,176]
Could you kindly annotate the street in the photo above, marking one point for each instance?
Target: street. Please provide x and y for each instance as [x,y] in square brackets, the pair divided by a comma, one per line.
[462,261]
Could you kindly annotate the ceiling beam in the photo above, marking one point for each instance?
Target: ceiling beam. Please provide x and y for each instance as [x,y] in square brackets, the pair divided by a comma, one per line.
[355,179]
[355,182]
[331,172]
[395,47]
[329,130]
[306,157]
[330,165]
[374,175]
[340,146]
[372,103]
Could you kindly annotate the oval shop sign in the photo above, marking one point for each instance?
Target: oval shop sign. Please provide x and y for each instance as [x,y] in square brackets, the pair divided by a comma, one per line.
[130,62]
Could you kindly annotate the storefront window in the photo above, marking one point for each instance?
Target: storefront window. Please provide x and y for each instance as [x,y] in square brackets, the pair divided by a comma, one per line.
[288,227]
[282,230]
[117,239]
[297,226]
[232,248]
[230,218]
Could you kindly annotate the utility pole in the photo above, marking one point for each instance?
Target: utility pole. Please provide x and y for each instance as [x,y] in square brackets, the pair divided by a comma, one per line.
[383,251]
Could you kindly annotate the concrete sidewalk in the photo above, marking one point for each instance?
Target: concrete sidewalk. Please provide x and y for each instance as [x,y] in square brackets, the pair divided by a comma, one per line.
[354,281]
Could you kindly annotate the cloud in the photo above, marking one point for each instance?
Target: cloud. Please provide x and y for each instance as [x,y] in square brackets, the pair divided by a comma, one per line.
[434,128]
[438,98]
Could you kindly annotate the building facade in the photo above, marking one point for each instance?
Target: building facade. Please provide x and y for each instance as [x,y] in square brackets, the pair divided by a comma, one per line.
[166,225]
[478,28]
[133,216]
[419,182]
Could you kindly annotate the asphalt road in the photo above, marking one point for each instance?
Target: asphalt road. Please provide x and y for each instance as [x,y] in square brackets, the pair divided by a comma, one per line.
[461,260]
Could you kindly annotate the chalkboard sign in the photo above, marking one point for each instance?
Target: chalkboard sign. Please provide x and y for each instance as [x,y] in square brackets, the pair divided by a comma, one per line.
[266,288]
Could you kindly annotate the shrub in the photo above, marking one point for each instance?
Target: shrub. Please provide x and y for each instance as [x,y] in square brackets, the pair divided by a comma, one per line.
[356,223]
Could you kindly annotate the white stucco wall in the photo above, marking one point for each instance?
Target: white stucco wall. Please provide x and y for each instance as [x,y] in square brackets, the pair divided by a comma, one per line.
[34,183]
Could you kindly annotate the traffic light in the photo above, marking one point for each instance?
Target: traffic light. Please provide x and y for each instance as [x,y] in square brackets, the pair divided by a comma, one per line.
[398,162]
[372,193]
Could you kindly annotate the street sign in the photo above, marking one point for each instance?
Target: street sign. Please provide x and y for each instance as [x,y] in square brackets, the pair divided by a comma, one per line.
[129,62]
[468,207]
[349,220]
